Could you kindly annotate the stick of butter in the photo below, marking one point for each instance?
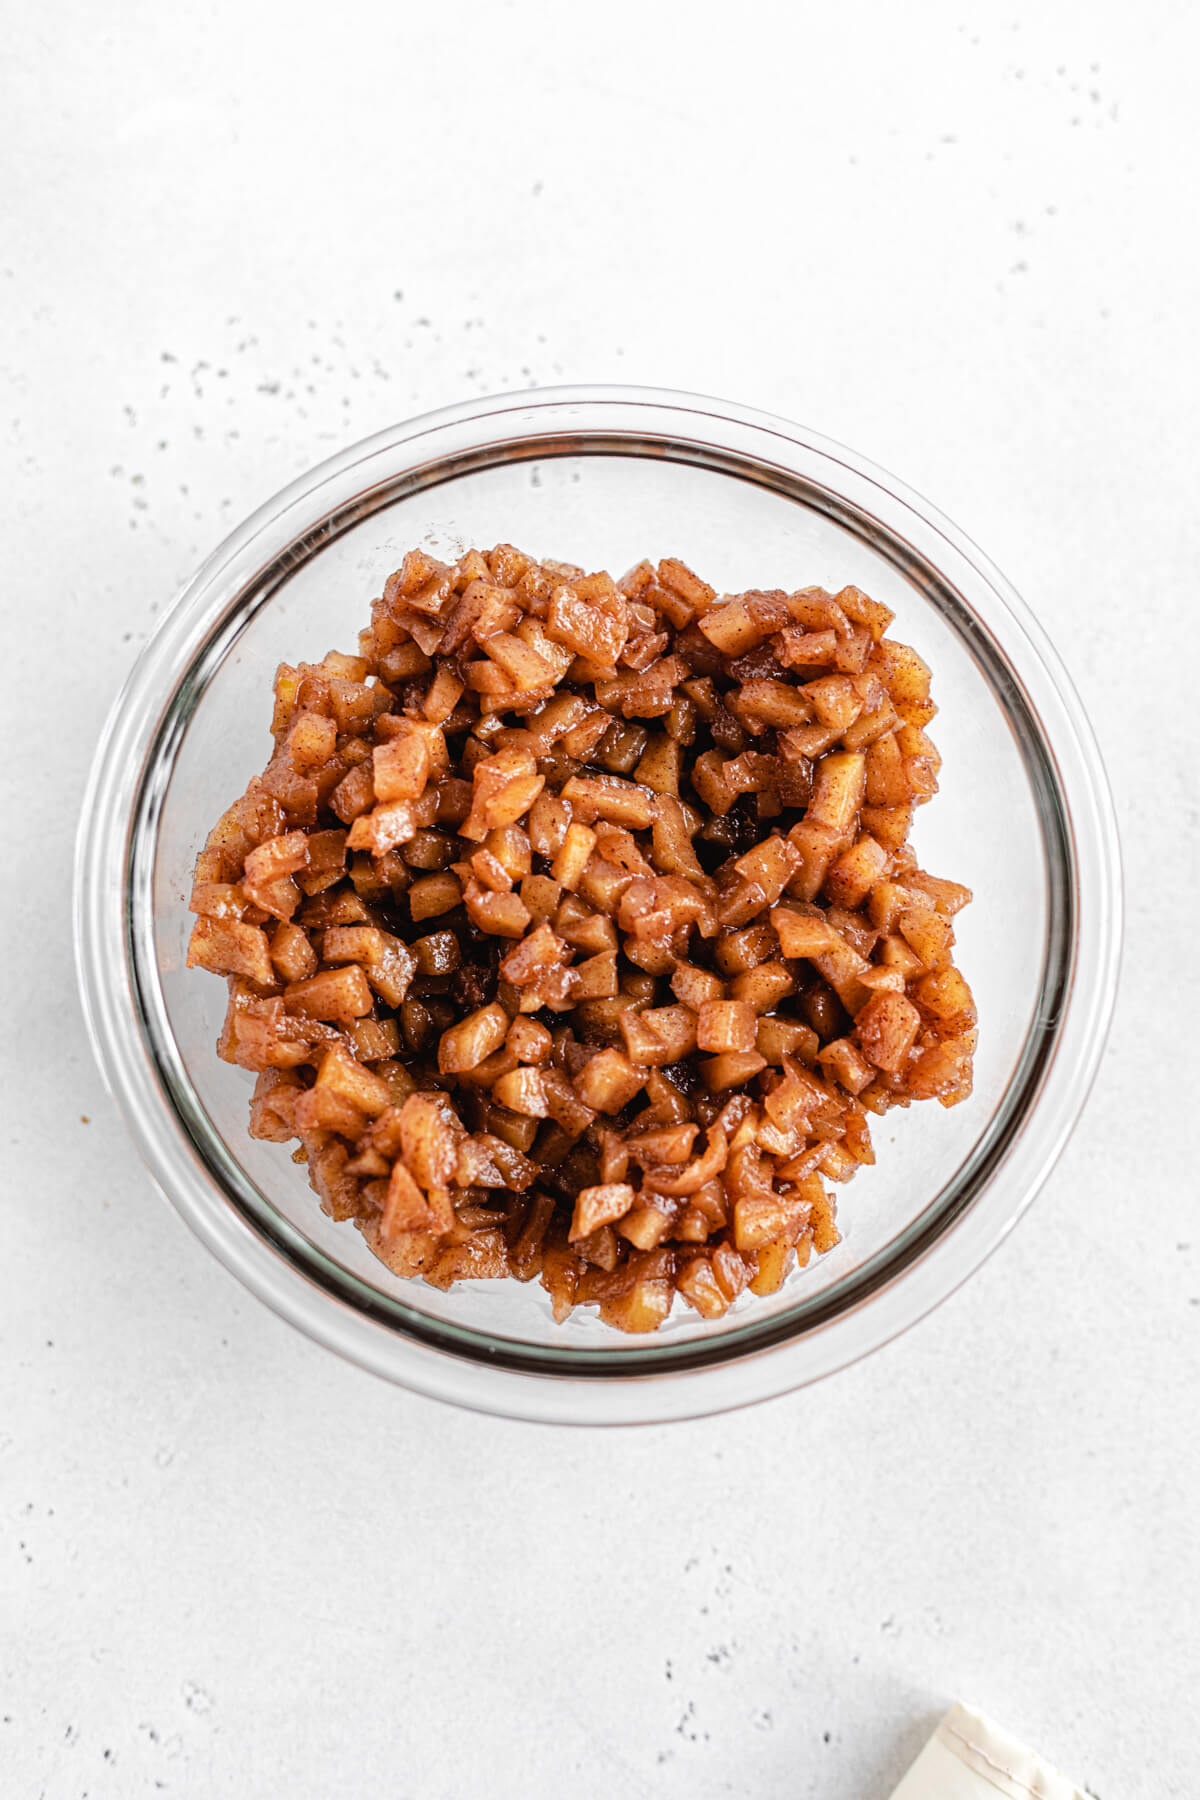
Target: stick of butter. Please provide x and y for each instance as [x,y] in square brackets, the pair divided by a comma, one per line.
[970,1758]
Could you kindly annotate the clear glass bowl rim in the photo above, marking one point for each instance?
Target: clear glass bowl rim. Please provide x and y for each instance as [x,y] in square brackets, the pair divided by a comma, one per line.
[642,1382]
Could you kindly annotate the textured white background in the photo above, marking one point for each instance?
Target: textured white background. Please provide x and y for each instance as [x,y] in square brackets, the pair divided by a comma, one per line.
[958,237]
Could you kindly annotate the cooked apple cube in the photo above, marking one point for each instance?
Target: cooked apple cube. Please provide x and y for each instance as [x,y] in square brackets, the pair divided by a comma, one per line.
[600,635]
[608,797]
[609,1081]
[229,947]
[853,874]
[292,954]
[402,766]
[946,1001]
[693,986]
[763,987]
[432,895]
[646,1224]
[887,1030]
[742,950]
[600,1205]
[501,915]
[465,1045]
[521,1090]
[595,978]
[840,780]
[574,854]
[732,1069]
[928,933]
[342,1074]
[386,826]
[800,934]
[311,739]
[726,1025]
[642,1309]
[843,1060]
[340,995]
[374,1040]
[505,787]
[776,1038]
[769,867]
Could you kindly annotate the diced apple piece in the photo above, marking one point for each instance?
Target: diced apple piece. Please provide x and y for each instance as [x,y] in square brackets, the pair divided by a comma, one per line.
[340,995]
[769,867]
[927,932]
[292,954]
[505,787]
[596,977]
[529,1041]
[731,1070]
[273,1108]
[502,915]
[843,1060]
[594,797]
[574,854]
[776,1038]
[946,1001]
[520,662]
[465,1045]
[773,1261]
[763,987]
[949,897]
[857,606]
[742,950]
[386,826]
[522,1092]
[726,1025]
[737,625]
[642,1309]
[886,782]
[229,947]
[374,1039]
[853,874]
[693,986]
[888,825]
[601,1205]
[584,628]
[942,1072]
[442,695]
[431,895]
[887,1030]
[762,1218]
[547,824]
[800,934]
[609,1081]
[340,1073]
[311,739]
[838,791]
[402,766]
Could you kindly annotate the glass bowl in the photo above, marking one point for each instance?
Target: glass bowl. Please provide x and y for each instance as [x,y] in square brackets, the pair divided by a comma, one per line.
[603,476]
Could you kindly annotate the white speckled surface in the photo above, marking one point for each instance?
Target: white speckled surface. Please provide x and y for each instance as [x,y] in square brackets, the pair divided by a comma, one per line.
[238,236]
